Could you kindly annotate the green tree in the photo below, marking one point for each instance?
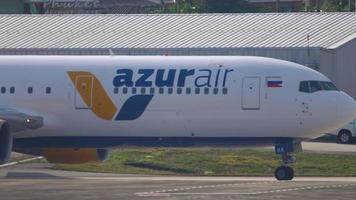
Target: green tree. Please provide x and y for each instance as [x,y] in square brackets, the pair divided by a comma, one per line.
[334,5]
[186,6]
[212,6]
[226,6]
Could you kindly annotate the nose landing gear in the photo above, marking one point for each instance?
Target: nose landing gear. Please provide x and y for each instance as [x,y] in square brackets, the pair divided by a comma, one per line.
[283,148]
[284,172]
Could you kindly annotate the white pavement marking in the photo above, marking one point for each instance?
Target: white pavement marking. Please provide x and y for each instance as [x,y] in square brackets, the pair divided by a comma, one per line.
[161,193]
[207,178]
[19,162]
[203,187]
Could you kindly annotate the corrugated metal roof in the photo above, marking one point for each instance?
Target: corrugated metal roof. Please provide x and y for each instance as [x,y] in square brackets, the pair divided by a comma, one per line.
[175,31]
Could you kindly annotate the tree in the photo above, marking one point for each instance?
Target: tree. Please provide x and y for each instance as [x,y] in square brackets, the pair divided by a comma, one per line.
[226,6]
[186,6]
[334,5]
[212,6]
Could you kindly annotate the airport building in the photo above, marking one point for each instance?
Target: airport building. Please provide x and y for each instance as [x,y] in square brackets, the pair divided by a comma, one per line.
[323,41]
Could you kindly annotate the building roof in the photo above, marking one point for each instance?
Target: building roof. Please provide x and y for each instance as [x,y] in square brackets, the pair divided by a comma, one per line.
[176,31]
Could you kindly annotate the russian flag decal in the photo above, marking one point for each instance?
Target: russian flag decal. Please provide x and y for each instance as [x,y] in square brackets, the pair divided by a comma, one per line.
[274,83]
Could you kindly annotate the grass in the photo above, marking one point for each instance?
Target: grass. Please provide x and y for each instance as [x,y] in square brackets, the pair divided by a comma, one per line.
[215,162]
[326,139]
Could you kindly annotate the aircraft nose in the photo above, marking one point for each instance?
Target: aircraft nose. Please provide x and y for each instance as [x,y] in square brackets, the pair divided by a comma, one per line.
[347,108]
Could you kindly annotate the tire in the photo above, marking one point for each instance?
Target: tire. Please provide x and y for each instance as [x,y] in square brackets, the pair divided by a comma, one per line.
[344,137]
[290,173]
[284,173]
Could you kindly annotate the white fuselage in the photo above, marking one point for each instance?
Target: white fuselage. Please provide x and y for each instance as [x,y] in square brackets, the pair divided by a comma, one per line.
[238,102]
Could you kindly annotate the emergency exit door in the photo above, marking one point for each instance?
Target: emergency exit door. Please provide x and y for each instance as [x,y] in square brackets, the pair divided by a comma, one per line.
[251,93]
[84,92]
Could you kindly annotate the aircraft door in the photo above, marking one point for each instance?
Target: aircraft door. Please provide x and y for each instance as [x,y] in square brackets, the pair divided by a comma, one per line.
[251,93]
[84,92]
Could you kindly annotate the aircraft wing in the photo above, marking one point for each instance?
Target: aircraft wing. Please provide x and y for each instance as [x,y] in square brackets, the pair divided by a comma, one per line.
[19,121]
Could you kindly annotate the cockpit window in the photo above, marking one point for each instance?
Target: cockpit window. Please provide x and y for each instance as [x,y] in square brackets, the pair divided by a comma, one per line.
[304,86]
[314,86]
[328,85]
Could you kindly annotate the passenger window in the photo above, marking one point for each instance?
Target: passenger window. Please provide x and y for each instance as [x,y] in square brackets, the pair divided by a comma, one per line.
[152,90]
[48,90]
[197,90]
[143,90]
[116,90]
[12,90]
[124,90]
[216,90]
[179,90]
[134,90]
[224,91]
[161,90]
[304,86]
[315,86]
[170,90]
[3,90]
[188,90]
[30,90]
[206,90]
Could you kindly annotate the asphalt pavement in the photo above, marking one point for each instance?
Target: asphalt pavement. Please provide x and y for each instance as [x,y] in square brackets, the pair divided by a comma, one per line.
[37,181]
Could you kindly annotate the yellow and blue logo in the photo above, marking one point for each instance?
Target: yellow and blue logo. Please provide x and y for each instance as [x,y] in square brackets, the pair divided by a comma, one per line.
[96,98]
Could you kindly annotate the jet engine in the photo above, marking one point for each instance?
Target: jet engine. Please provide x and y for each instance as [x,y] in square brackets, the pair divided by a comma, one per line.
[5,143]
[18,121]
[75,156]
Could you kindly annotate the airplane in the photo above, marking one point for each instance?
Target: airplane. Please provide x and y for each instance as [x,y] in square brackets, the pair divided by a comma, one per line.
[74,109]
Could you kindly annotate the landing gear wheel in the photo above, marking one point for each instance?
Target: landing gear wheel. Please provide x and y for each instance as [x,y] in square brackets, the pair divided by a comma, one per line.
[285,148]
[284,173]
[344,137]
[290,173]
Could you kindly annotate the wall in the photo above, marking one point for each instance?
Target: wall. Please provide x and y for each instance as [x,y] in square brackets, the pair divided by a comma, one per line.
[340,66]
